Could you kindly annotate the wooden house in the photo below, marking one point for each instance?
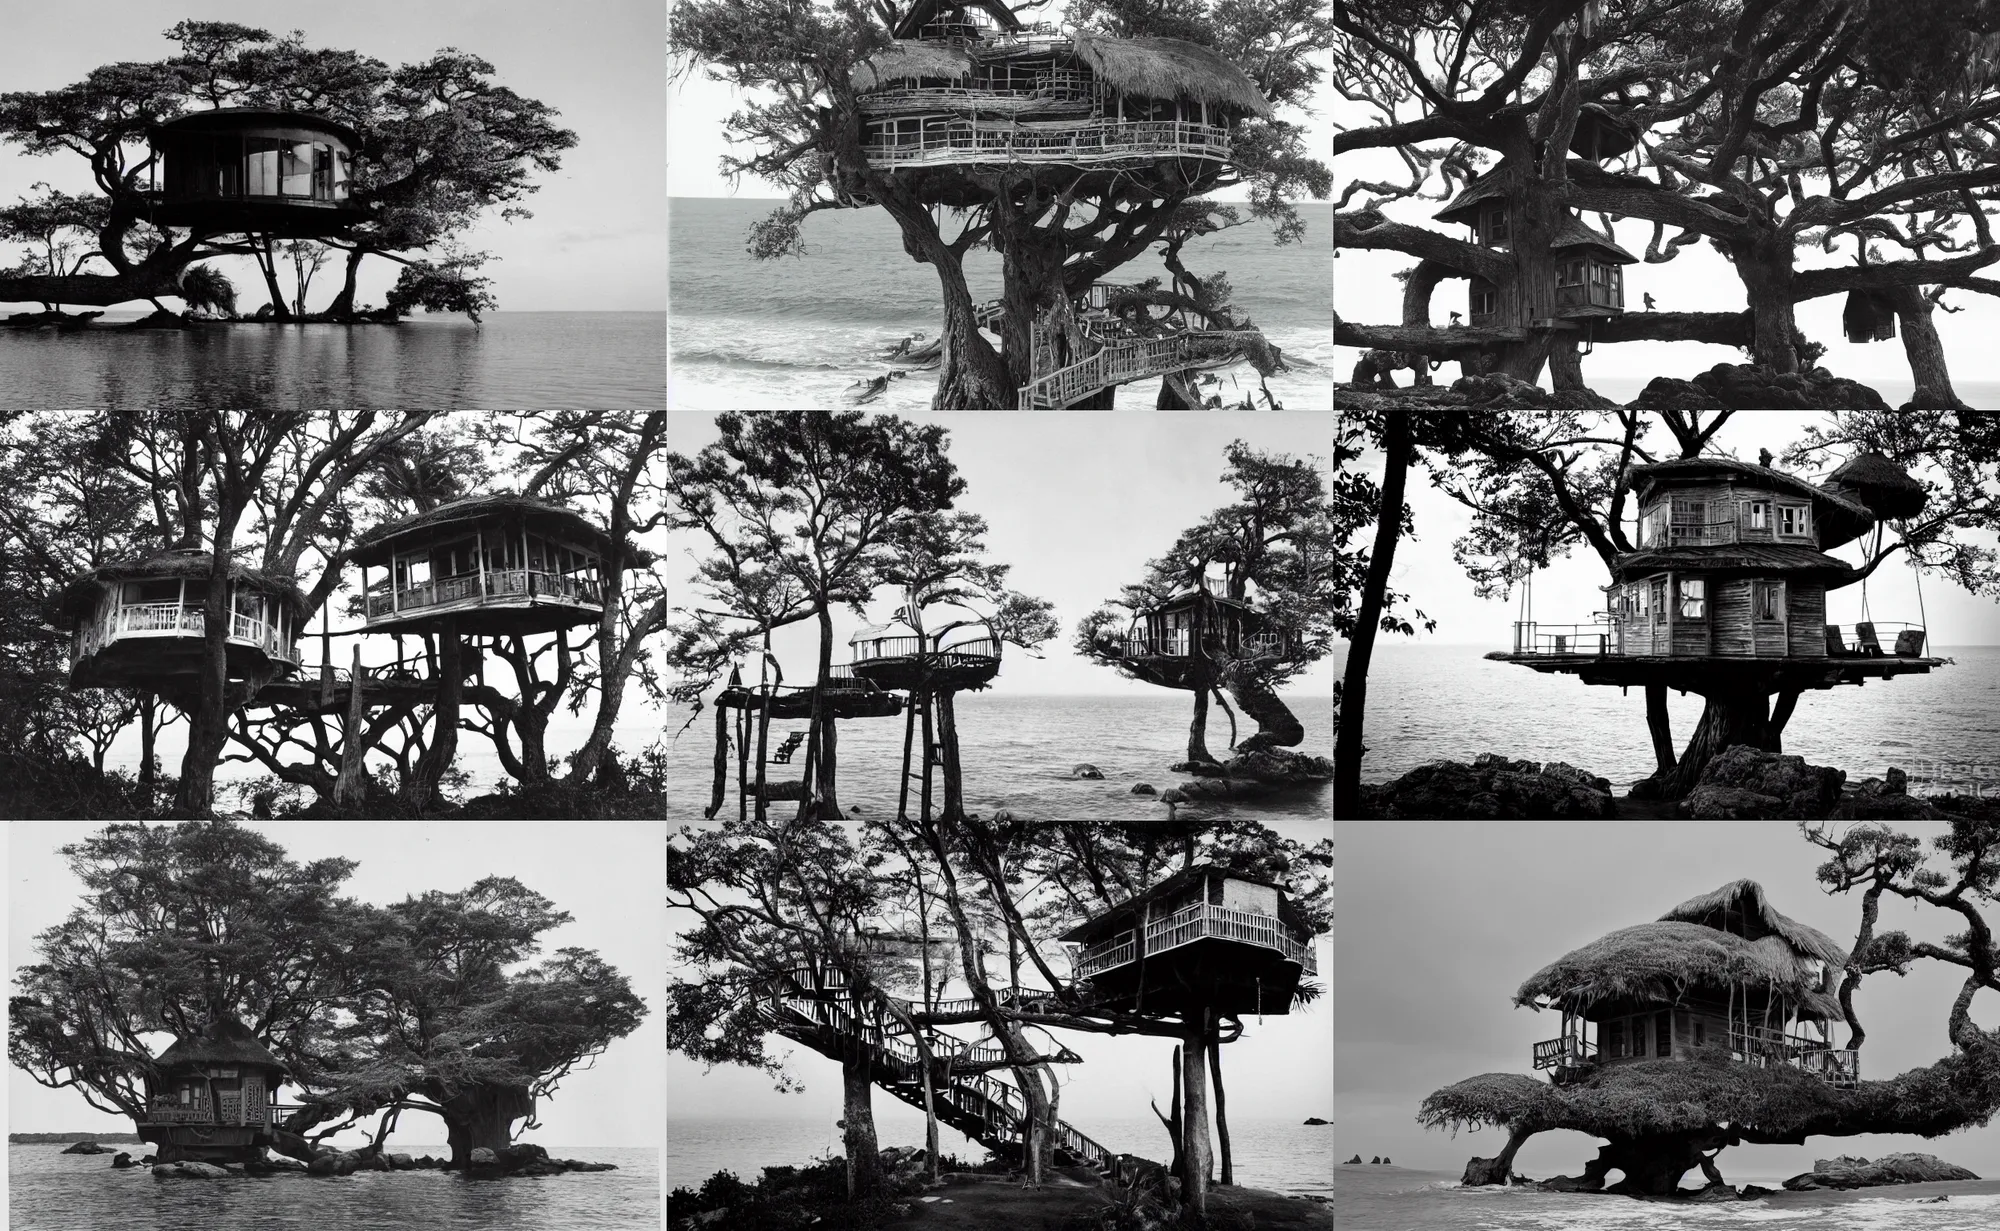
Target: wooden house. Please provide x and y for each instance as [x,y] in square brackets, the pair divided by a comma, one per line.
[1196,622]
[255,170]
[142,621]
[1723,976]
[1204,936]
[1590,275]
[1587,275]
[961,655]
[496,564]
[213,1097]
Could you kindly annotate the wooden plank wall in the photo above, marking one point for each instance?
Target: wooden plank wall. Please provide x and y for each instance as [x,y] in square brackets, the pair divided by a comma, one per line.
[1805,609]
[1730,618]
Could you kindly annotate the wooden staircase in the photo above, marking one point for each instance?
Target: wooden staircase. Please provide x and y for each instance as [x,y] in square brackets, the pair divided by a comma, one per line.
[1122,361]
[817,1008]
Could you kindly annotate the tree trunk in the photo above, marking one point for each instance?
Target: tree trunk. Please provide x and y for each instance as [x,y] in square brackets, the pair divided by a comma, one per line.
[267,264]
[721,763]
[1781,713]
[149,730]
[1765,267]
[482,1117]
[443,750]
[1727,718]
[1566,364]
[349,786]
[1347,748]
[1178,391]
[1194,1122]
[208,721]
[930,1107]
[971,374]
[864,1157]
[954,780]
[1172,1121]
[1657,721]
[1481,1171]
[1653,1165]
[1221,1113]
[1198,729]
[1925,350]
[343,303]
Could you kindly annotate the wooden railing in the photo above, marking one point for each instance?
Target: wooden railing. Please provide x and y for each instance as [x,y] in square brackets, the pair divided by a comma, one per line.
[1567,1052]
[1586,640]
[1096,141]
[1701,533]
[1122,361]
[1891,639]
[495,583]
[1200,921]
[174,618]
[968,653]
[1837,1066]
[1117,951]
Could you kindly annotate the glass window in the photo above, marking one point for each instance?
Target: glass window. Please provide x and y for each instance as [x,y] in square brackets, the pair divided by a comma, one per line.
[260,167]
[1768,602]
[1793,519]
[1639,597]
[1659,602]
[167,591]
[1693,598]
[340,174]
[295,168]
[1760,515]
[187,1096]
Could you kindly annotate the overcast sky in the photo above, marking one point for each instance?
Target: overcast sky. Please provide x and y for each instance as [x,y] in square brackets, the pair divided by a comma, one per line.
[608,875]
[1699,279]
[697,108]
[1440,923]
[1077,502]
[597,241]
[1570,589]
[1282,1067]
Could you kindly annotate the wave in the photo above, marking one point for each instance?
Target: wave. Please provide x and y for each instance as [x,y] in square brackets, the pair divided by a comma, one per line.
[735,359]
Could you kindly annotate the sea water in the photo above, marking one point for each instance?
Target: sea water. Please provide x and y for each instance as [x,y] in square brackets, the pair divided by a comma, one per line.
[800,332]
[1019,752]
[1370,1198]
[52,1191]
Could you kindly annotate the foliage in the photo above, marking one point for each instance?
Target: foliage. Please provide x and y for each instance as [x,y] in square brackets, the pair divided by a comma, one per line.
[782,1199]
[453,284]
[206,288]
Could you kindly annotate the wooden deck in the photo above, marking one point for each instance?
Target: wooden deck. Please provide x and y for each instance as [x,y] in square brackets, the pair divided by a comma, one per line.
[844,699]
[1683,670]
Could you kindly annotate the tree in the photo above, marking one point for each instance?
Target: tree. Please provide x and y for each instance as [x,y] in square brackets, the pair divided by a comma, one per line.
[306,257]
[1272,547]
[441,143]
[802,507]
[58,224]
[1056,236]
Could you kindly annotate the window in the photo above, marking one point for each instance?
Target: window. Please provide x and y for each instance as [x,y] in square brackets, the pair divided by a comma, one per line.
[1485,299]
[1614,1044]
[1760,515]
[187,1096]
[1654,532]
[260,166]
[1793,519]
[1659,602]
[1639,601]
[1663,1033]
[1596,274]
[168,591]
[1639,1036]
[1496,225]
[1770,600]
[1693,598]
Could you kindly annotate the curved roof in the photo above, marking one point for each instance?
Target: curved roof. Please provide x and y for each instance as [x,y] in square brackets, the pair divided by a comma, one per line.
[236,118]
[1841,519]
[1574,234]
[922,12]
[225,1041]
[1170,68]
[905,60]
[1885,488]
[1497,182]
[460,516]
[79,597]
[1747,557]
[1745,900]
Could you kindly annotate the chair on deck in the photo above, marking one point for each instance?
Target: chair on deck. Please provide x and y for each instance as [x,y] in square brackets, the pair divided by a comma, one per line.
[1835,647]
[783,756]
[1910,643]
[1864,641]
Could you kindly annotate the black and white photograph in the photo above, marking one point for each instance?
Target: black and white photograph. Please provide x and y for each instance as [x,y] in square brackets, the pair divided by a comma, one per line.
[977,205]
[288,1023]
[948,617]
[982,1025]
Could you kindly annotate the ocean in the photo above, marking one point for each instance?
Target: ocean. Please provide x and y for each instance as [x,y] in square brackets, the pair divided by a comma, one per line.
[52,1191]
[512,360]
[1369,1198]
[799,332]
[1017,752]
[1427,702]
[1280,1155]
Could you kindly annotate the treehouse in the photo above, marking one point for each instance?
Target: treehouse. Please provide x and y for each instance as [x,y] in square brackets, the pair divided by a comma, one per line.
[141,622]
[1195,624]
[966,87]
[252,170]
[1203,937]
[1724,975]
[497,565]
[841,694]
[1587,278]
[895,655]
[1590,278]
[1730,575]
[213,1097]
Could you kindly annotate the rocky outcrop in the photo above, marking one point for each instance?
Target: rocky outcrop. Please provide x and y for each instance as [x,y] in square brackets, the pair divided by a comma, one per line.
[1743,783]
[273,1166]
[122,1161]
[1278,767]
[1850,1172]
[1496,391]
[524,1159]
[190,1171]
[1314,1120]
[1885,799]
[1742,386]
[1491,787]
[1480,1172]
[1086,770]
[88,1147]
[1143,788]
[1350,1162]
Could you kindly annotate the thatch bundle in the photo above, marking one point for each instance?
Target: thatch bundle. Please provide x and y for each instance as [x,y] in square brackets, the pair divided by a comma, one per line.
[1170,68]
[80,596]
[907,60]
[1885,488]
[1660,962]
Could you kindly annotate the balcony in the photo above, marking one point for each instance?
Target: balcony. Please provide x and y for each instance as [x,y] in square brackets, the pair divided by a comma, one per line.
[1062,90]
[473,588]
[1586,640]
[174,620]
[1567,1052]
[1866,640]
[1201,921]
[1762,1045]
[1095,142]
[167,1111]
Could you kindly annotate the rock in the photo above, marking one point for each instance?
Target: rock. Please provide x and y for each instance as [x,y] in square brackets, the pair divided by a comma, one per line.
[1672,393]
[1314,1120]
[1219,788]
[1200,769]
[1711,1193]
[1741,386]
[1350,1162]
[1711,803]
[1141,788]
[1499,390]
[1750,1192]
[402,1162]
[88,1147]
[1386,1162]
[1279,767]
[1745,782]
[149,1160]
[1492,786]
[576,1165]
[519,1155]
[1886,799]
[274,1166]
[1847,1171]
[189,1171]
[1086,770]
[482,1157]
[1568,1184]
[122,1161]
[1376,1160]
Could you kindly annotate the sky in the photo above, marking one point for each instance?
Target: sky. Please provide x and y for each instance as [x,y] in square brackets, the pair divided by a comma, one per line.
[1282,1067]
[1077,502]
[606,874]
[1699,279]
[597,241]
[698,106]
[1441,922]
[1569,590]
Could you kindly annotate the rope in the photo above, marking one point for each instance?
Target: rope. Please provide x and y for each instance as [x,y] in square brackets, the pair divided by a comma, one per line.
[1918,574]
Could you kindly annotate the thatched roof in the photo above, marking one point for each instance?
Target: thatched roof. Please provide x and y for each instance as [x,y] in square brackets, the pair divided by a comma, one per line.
[226,1041]
[1498,182]
[1886,489]
[1741,906]
[1662,962]
[910,61]
[1573,234]
[460,516]
[1841,519]
[923,12]
[80,596]
[1760,558]
[1170,68]
[1116,918]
